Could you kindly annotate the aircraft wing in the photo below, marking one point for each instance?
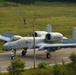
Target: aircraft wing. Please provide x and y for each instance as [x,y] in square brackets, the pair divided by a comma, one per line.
[6,36]
[46,45]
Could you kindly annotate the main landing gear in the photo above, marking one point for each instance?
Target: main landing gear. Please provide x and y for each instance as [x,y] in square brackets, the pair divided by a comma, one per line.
[48,55]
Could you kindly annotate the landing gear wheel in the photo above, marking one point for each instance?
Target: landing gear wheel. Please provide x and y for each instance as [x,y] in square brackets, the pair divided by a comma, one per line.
[12,57]
[48,55]
[24,53]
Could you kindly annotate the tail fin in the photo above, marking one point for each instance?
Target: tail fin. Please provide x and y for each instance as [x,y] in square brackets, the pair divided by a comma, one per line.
[49,28]
[74,33]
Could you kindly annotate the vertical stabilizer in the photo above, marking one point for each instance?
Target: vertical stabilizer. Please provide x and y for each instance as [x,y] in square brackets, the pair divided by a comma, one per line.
[74,33]
[49,28]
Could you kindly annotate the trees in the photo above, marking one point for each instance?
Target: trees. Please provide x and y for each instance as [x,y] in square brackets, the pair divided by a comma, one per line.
[22,1]
[32,1]
[59,0]
[16,67]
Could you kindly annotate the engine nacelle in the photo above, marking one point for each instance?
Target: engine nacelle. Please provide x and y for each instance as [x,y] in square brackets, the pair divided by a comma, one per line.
[53,37]
[39,33]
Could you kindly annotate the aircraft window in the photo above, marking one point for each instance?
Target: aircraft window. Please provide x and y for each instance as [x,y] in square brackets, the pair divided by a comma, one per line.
[15,38]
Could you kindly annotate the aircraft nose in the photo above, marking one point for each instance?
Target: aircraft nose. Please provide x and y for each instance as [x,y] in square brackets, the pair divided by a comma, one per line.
[5,46]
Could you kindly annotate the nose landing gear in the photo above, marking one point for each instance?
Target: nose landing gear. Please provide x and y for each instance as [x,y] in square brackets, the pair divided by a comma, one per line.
[24,52]
[13,54]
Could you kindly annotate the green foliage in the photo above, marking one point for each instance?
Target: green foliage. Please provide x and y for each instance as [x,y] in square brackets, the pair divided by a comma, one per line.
[38,71]
[63,62]
[59,0]
[22,1]
[6,4]
[32,1]
[16,67]
[67,69]
[3,73]
[72,57]
[42,65]
[71,69]
[1,1]
[59,70]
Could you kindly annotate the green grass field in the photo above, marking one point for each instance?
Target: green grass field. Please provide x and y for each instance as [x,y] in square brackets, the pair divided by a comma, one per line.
[62,17]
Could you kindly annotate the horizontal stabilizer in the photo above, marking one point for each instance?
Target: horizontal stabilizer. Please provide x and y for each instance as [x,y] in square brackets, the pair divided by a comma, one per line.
[69,41]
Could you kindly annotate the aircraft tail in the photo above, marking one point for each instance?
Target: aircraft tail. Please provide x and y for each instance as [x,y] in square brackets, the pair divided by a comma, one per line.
[73,39]
[49,28]
[74,33]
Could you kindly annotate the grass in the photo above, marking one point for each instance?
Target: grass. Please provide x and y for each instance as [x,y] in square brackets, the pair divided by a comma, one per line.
[62,17]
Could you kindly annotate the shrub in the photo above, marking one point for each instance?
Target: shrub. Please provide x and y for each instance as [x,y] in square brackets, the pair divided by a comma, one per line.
[72,57]
[16,67]
[59,70]
[42,65]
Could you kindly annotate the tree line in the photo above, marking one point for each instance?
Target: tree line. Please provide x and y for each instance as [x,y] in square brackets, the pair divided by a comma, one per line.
[32,1]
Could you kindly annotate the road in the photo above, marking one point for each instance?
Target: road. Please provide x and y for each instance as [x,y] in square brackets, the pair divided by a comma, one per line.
[40,57]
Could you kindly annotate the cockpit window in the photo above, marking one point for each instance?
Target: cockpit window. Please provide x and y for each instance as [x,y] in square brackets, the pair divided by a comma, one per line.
[15,38]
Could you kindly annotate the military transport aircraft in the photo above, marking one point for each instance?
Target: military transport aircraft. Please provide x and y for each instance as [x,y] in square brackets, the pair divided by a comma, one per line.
[44,40]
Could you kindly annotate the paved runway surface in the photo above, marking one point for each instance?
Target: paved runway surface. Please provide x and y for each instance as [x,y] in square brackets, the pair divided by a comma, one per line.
[40,57]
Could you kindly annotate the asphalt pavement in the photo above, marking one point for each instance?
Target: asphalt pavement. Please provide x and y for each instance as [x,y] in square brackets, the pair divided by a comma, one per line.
[56,57]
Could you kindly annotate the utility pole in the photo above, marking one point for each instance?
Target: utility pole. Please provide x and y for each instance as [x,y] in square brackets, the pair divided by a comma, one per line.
[34,42]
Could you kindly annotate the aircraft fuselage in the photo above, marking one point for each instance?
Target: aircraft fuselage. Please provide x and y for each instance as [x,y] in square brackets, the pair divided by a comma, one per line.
[24,42]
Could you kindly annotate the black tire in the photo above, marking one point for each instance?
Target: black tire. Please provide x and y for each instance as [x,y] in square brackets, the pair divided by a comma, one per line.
[12,57]
[23,53]
[48,55]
